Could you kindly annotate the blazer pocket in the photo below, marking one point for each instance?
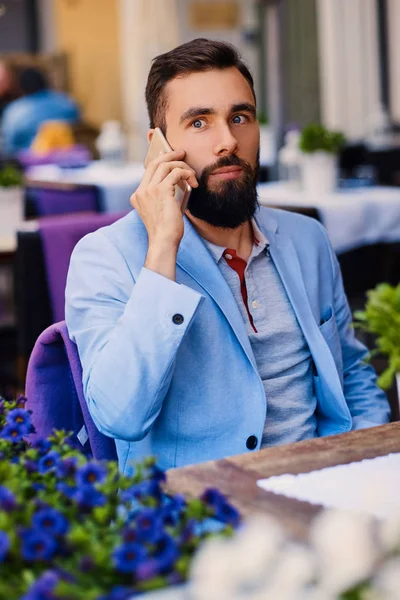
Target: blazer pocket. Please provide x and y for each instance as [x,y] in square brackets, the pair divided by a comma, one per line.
[330,333]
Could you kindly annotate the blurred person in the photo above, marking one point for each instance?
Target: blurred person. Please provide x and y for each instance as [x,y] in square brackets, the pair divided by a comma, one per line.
[8,86]
[23,117]
[226,329]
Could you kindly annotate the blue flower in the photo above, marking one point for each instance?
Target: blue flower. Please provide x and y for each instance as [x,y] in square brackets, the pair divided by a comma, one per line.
[43,587]
[90,474]
[42,446]
[7,499]
[129,535]
[48,462]
[157,474]
[226,513]
[37,545]
[4,545]
[51,521]
[21,401]
[12,433]
[118,592]
[167,553]
[213,497]
[20,418]
[127,557]
[149,525]
[67,467]
[87,497]
[68,490]
[172,509]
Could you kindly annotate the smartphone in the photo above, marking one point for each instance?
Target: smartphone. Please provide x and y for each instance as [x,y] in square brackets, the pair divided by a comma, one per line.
[158,146]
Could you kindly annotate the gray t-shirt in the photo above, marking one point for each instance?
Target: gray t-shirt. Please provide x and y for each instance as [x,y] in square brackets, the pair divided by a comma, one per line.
[281,352]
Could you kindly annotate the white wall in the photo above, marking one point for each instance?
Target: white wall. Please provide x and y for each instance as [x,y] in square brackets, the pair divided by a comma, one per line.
[348,44]
[46,26]
[394,57]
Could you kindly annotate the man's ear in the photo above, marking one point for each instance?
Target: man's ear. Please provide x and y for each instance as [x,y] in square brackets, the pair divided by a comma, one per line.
[150,134]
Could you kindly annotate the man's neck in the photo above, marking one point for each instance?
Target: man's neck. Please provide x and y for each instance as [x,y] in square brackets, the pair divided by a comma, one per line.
[239,239]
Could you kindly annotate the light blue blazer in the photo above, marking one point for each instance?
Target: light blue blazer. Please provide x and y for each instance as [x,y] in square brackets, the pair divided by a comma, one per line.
[190,391]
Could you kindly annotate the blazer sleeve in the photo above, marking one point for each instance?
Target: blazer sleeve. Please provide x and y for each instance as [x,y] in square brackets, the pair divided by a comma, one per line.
[367,403]
[127,332]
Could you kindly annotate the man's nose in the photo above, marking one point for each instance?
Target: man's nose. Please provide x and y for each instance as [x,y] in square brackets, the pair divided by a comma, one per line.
[226,143]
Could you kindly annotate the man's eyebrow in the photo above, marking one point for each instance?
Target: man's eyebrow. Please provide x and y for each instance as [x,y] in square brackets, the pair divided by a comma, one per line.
[244,107]
[196,111]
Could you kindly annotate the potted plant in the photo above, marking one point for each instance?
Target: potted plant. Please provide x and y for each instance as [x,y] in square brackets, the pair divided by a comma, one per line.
[381,317]
[73,528]
[11,199]
[320,148]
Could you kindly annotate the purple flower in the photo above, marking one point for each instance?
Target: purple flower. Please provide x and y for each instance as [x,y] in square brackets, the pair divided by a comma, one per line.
[7,499]
[20,418]
[42,445]
[12,433]
[51,521]
[48,462]
[148,569]
[87,497]
[68,490]
[31,466]
[21,401]
[90,474]
[67,467]
[37,545]
[43,587]
[127,557]
[149,525]
[4,545]
[86,564]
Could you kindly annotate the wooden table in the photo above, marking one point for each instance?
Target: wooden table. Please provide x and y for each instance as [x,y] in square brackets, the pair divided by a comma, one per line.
[236,476]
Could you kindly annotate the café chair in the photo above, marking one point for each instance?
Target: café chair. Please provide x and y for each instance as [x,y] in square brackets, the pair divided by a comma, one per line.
[55,394]
[59,198]
[41,266]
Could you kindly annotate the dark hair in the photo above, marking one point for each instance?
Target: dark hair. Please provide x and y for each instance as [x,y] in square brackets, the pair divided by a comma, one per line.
[32,80]
[194,56]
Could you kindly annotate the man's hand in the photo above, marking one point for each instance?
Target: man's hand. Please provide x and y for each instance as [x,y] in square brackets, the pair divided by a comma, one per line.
[155,202]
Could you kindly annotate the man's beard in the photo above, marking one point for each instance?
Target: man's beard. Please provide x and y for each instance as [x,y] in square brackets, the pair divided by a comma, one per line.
[233,202]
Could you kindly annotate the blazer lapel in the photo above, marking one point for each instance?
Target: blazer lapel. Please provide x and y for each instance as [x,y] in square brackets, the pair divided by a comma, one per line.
[196,261]
[287,263]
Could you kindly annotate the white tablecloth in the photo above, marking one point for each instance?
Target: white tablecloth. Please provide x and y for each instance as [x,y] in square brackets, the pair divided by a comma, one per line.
[116,184]
[370,486]
[353,217]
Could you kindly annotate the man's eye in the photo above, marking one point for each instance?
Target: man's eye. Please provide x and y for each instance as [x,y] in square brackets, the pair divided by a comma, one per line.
[198,123]
[238,119]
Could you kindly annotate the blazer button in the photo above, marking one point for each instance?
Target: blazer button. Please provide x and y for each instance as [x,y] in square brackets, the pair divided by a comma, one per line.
[177,319]
[251,442]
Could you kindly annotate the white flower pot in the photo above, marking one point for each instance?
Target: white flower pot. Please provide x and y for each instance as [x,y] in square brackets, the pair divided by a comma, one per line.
[11,210]
[319,172]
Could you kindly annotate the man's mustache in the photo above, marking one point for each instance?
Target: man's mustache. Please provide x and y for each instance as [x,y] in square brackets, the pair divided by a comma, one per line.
[226,161]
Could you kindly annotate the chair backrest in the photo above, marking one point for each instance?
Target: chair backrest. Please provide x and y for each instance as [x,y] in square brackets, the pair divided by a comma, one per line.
[42,201]
[41,266]
[55,393]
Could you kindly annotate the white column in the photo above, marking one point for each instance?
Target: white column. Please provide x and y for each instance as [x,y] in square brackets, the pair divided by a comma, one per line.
[148,28]
[394,57]
[348,52]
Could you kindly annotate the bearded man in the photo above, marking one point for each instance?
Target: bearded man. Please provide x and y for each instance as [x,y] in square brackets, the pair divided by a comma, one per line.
[226,329]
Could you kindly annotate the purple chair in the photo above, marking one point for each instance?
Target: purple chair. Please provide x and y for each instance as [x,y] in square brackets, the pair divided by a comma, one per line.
[61,199]
[55,394]
[59,237]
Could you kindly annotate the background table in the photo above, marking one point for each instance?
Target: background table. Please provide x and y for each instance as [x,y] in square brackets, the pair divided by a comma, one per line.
[115,184]
[353,217]
[236,476]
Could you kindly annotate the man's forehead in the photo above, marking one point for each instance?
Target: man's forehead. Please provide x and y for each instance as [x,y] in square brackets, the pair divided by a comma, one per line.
[215,89]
